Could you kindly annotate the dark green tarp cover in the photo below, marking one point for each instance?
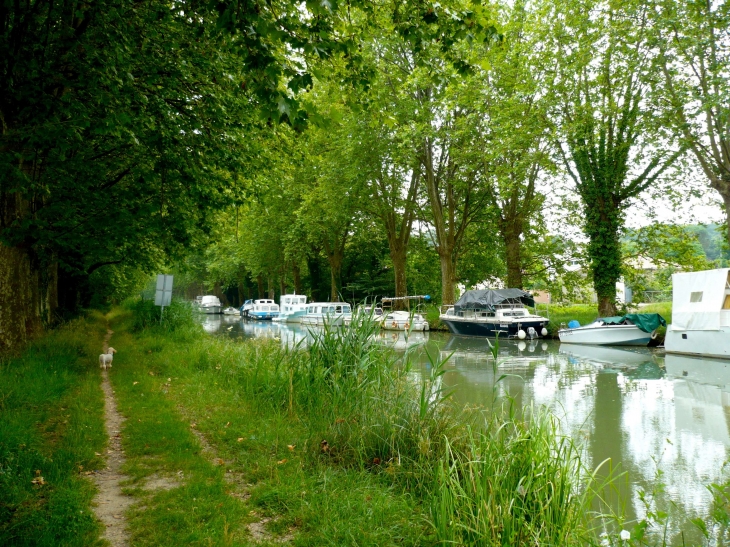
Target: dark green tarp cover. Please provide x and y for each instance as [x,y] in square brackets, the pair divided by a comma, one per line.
[647,322]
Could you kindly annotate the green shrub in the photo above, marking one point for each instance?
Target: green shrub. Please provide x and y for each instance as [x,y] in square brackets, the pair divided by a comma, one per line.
[177,317]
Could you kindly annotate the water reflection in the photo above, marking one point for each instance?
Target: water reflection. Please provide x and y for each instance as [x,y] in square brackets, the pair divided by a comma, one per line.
[645,411]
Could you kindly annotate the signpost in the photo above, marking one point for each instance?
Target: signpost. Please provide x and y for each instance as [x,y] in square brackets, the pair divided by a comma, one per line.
[163,294]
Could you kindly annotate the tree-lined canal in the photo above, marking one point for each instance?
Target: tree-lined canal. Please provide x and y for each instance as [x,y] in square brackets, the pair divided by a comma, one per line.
[662,419]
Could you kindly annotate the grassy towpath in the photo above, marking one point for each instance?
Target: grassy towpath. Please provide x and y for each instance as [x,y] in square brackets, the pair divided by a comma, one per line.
[52,438]
[209,467]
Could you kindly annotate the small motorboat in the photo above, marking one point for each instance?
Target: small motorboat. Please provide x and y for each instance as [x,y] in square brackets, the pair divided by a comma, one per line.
[634,329]
[210,304]
[402,320]
[231,311]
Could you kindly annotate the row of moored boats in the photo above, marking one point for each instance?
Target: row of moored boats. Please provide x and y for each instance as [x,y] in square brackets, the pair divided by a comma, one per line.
[294,308]
[701,316]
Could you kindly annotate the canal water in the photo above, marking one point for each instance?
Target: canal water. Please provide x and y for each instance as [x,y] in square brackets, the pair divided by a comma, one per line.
[663,420]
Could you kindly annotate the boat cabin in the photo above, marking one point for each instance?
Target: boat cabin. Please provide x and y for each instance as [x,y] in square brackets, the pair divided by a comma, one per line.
[292,302]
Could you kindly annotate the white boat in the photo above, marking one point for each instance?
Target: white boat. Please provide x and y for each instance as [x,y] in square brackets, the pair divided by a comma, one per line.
[292,307]
[231,311]
[628,330]
[700,314]
[402,320]
[210,304]
[327,313]
[365,313]
[263,309]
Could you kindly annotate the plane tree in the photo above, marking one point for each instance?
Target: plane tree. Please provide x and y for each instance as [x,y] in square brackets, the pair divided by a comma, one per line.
[694,60]
[511,131]
[612,146]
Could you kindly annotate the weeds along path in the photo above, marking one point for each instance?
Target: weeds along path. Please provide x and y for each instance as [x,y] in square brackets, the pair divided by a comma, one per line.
[111,503]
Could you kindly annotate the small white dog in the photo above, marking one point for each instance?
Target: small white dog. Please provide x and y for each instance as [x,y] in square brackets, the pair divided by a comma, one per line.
[105,359]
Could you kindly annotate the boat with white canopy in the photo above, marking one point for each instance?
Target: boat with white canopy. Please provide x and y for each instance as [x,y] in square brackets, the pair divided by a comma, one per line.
[700,314]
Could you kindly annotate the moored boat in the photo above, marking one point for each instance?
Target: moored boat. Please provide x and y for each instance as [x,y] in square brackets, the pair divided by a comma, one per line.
[700,314]
[635,329]
[292,307]
[210,304]
[367,313]
[327,313]
[263,309]
[493,312]
[402,320]
[231,311]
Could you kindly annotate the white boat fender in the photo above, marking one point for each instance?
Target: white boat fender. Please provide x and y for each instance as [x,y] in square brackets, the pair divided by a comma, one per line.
[544,331]
[521,334]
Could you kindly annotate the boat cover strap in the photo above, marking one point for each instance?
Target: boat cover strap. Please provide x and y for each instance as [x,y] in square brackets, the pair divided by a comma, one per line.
[647,322]
[489,298]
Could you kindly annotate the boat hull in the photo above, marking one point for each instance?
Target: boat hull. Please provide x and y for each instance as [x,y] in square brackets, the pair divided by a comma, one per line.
[210,309]
[703,343]
[418,326]
[485,328]
[320,321]
[615,335]
[263,315]
[292,317]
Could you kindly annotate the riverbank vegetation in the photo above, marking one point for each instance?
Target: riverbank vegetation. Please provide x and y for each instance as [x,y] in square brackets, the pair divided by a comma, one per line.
[233,442]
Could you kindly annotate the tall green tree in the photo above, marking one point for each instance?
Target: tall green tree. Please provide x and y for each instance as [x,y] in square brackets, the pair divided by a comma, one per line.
[512,129]
[118,123]
[611,145]
[692,40]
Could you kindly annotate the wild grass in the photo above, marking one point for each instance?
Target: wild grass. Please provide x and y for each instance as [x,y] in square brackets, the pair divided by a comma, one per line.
[345,422]
[51,430]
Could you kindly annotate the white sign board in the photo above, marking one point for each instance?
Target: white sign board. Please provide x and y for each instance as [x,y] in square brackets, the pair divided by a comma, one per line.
[163,294]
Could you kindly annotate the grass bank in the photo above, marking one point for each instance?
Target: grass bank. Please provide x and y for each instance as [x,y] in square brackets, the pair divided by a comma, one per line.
[341,444]
[51,435]
[242,443]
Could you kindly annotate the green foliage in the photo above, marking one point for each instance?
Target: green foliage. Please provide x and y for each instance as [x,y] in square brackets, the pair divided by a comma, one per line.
[177,317]
[608,125]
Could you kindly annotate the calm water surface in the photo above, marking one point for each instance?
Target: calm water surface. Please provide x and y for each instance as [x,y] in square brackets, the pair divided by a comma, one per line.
[664,420]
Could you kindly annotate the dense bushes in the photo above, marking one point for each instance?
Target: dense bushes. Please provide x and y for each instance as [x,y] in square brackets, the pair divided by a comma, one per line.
[178,316]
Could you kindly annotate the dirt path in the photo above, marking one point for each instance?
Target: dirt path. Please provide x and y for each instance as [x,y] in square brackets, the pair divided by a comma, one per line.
[110,504]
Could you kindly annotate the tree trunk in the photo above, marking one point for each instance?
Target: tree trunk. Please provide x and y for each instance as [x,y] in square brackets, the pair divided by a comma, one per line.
[315,277]
[272,291]
[28,289]
[260,286]
[335,277]
[726,200]
[513,256]
[398,257]
[604,250]
[296,274]
[448,279]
